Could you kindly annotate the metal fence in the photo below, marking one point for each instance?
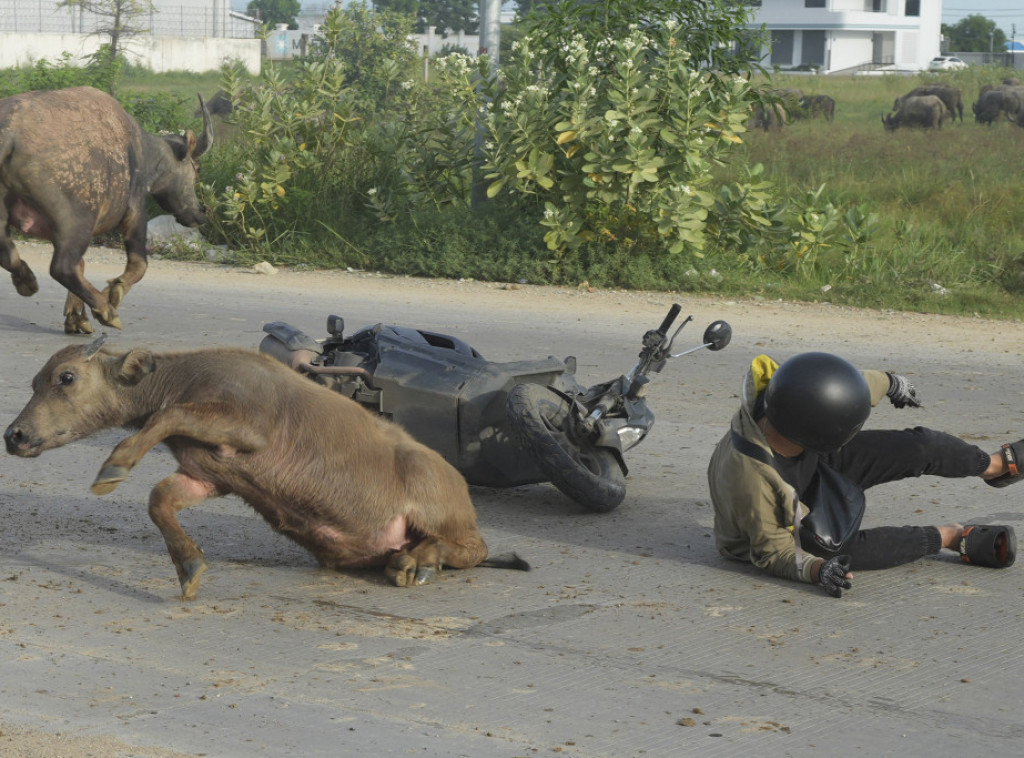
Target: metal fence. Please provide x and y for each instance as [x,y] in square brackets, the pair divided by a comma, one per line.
[166,20]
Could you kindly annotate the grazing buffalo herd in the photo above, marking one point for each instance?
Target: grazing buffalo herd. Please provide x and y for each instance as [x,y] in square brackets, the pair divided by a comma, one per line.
[928,107]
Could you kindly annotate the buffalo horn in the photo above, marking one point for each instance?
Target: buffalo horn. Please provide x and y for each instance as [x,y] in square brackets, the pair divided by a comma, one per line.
[94,346]
[206,140]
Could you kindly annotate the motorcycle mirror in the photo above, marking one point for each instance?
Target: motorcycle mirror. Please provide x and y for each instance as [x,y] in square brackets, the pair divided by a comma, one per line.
[717,335]
[335,326]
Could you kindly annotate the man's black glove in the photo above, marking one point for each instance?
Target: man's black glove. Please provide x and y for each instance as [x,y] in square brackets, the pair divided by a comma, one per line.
[832,575]
[901,392]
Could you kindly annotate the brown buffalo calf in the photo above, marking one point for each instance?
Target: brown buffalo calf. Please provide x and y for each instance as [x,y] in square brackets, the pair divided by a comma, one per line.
[350,487]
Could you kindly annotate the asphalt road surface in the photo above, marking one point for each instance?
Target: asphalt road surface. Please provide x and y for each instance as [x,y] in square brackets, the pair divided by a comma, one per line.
[630,637]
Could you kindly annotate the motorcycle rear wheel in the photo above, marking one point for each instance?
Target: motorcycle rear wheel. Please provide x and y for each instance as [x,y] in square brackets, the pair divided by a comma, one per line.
[590,475]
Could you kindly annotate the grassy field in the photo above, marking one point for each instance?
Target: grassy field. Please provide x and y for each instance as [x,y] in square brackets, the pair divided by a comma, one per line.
[947,200]
[949,235]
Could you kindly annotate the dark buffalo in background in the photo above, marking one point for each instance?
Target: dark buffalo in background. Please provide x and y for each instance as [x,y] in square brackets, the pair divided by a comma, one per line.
[773,109]
[926,111]
[771,117]
[951,97]
[1006,99]
[74,164]
[818,105]
[218,105]
[1001,101]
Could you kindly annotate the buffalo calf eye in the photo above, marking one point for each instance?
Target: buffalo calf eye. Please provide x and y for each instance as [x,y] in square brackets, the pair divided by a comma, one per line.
[66,378]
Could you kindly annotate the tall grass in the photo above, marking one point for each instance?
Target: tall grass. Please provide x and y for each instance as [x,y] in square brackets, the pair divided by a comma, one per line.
[948,201]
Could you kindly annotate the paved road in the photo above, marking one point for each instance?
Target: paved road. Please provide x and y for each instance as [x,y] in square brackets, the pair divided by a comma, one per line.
[630,637]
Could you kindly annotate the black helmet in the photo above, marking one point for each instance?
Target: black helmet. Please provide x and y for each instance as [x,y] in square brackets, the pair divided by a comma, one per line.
[817,400]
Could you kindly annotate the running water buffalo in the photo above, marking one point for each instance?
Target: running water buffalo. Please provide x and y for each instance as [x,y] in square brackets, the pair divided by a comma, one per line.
[351,487]
[74,164]
[927,111]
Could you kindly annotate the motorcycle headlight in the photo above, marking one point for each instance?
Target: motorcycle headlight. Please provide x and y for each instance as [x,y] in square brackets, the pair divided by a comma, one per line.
[629,436]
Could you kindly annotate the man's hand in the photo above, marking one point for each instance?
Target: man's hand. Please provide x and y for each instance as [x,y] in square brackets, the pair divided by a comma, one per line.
[901,392]
[834,575]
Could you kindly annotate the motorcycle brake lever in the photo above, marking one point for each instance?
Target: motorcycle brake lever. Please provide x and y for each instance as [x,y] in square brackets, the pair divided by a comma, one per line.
[668,347]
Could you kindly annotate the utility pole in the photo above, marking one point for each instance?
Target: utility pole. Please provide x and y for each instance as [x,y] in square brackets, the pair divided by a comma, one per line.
[490,30]
[490,41]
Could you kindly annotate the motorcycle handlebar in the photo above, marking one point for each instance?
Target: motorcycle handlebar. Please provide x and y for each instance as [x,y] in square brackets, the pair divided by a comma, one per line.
[672,313]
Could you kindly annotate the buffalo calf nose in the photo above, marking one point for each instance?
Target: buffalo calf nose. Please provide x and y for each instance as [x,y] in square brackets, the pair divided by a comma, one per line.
[12,436]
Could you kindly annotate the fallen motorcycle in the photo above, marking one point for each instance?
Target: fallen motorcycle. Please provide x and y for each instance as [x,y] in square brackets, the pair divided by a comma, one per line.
[500,424]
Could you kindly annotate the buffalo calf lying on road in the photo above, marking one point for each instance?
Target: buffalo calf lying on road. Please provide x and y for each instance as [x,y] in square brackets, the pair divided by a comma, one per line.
[351,487]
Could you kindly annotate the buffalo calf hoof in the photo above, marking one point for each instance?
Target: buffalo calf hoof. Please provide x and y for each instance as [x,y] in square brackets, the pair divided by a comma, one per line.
[401,570]
[190,573]
[108,479]
[425,574]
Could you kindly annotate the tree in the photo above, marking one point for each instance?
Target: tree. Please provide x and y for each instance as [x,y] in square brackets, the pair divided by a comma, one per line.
[613,116]
[273,12]
[974,34]
[118,20]
[451,15]
[404,7]
[445,15]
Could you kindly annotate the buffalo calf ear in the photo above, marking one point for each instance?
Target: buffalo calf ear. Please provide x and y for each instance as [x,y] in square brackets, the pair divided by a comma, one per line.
[135,365]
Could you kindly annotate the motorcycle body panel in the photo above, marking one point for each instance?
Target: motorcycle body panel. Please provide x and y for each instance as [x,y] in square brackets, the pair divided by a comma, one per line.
[499,424]
[440,389]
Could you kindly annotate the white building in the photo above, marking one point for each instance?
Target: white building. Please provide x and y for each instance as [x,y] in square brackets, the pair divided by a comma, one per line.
[849,35]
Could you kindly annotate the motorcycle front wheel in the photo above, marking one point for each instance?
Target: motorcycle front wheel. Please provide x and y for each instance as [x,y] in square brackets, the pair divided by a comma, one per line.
[540,421]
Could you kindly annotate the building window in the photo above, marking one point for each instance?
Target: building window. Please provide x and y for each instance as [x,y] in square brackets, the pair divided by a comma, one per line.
[782,47]
[814,3]
[913,8]
[813,48]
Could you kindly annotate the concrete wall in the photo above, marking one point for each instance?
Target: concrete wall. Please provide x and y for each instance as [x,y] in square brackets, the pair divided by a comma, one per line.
[197,54]
[285,44]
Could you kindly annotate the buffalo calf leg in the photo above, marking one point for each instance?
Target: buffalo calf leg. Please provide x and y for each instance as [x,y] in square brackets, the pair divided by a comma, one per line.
[212,424]
[423,562]
[174,493]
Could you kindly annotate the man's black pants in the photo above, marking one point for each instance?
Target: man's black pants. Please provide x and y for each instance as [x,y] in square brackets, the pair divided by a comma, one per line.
[878,456]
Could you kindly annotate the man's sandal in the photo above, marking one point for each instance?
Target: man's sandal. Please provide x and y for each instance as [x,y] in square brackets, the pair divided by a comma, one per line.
[992,546]
[1013,456]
